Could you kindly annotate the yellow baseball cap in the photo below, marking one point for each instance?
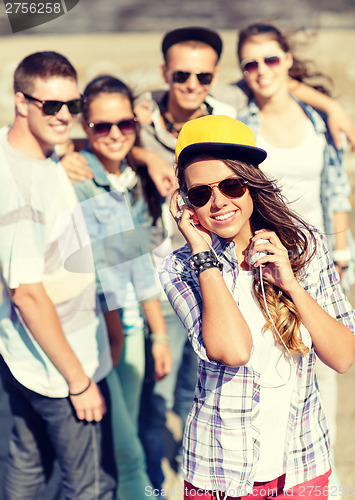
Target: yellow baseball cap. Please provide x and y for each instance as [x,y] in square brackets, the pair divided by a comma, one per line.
[218,135]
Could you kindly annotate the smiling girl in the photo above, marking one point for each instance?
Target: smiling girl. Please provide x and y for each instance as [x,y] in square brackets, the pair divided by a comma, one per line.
[256,425]
[302,158]
[120,215]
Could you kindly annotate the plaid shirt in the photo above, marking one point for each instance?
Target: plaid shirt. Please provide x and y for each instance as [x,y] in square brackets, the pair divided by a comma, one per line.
[221,439]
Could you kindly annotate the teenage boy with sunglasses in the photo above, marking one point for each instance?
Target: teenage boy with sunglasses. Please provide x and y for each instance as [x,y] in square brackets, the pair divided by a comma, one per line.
[190,69]
[53,341]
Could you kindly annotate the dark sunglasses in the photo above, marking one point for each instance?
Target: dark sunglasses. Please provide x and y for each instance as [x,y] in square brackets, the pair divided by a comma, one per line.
[252,65]
[53,107]
[232,188]
[125,126]
[183,76]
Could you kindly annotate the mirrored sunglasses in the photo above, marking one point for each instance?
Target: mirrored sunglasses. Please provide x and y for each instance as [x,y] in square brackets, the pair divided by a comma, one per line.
[183,76]
[74,106]
[198,196]
[104,128]
[252,65]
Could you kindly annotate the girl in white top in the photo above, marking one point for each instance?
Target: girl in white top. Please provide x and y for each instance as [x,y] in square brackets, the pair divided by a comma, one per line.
[301,158]
[290,131]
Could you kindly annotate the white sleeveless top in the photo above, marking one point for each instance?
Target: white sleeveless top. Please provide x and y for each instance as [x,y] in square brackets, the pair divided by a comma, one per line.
[277,377]
[297,171]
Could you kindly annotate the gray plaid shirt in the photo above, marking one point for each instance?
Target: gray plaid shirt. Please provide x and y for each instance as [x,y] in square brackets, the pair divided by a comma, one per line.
[221,439]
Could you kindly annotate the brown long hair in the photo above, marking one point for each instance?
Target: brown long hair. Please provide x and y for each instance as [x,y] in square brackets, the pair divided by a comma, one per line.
[301,70]
[272,213]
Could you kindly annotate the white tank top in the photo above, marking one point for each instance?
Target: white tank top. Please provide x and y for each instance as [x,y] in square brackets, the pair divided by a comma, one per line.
[277,377]
[297,171]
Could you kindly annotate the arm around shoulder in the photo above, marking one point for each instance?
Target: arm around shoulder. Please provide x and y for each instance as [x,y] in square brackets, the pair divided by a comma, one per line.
[338,119]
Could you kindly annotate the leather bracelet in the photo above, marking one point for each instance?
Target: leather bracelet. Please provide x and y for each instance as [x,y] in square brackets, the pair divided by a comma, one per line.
[202,261]
[81,392]
[208,265]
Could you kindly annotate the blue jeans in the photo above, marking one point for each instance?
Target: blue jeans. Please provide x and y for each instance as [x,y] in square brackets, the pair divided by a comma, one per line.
[178,387]
[125,383]
[130,371]
[45,429]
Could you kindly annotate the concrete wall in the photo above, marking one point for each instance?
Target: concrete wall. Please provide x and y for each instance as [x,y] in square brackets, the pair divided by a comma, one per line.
[136,58]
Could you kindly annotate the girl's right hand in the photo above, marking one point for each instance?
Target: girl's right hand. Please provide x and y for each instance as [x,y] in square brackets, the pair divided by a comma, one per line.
[197,237]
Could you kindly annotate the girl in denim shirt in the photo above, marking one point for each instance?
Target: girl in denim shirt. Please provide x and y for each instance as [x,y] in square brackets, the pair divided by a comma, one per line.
[120,212]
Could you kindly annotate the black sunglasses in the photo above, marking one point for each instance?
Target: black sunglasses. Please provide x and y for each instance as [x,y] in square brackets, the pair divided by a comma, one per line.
[233,188]
[182,76]
[125,126]
[53,107]
[251,65]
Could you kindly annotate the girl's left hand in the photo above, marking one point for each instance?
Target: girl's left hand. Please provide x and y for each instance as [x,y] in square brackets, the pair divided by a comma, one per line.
[276,266]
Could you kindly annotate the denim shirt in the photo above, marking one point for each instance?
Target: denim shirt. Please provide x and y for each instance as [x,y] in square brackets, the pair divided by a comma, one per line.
[335,186]
[120,229]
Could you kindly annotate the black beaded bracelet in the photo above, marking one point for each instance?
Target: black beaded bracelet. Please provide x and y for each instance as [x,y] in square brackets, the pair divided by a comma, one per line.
[204,260]
[81,392]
